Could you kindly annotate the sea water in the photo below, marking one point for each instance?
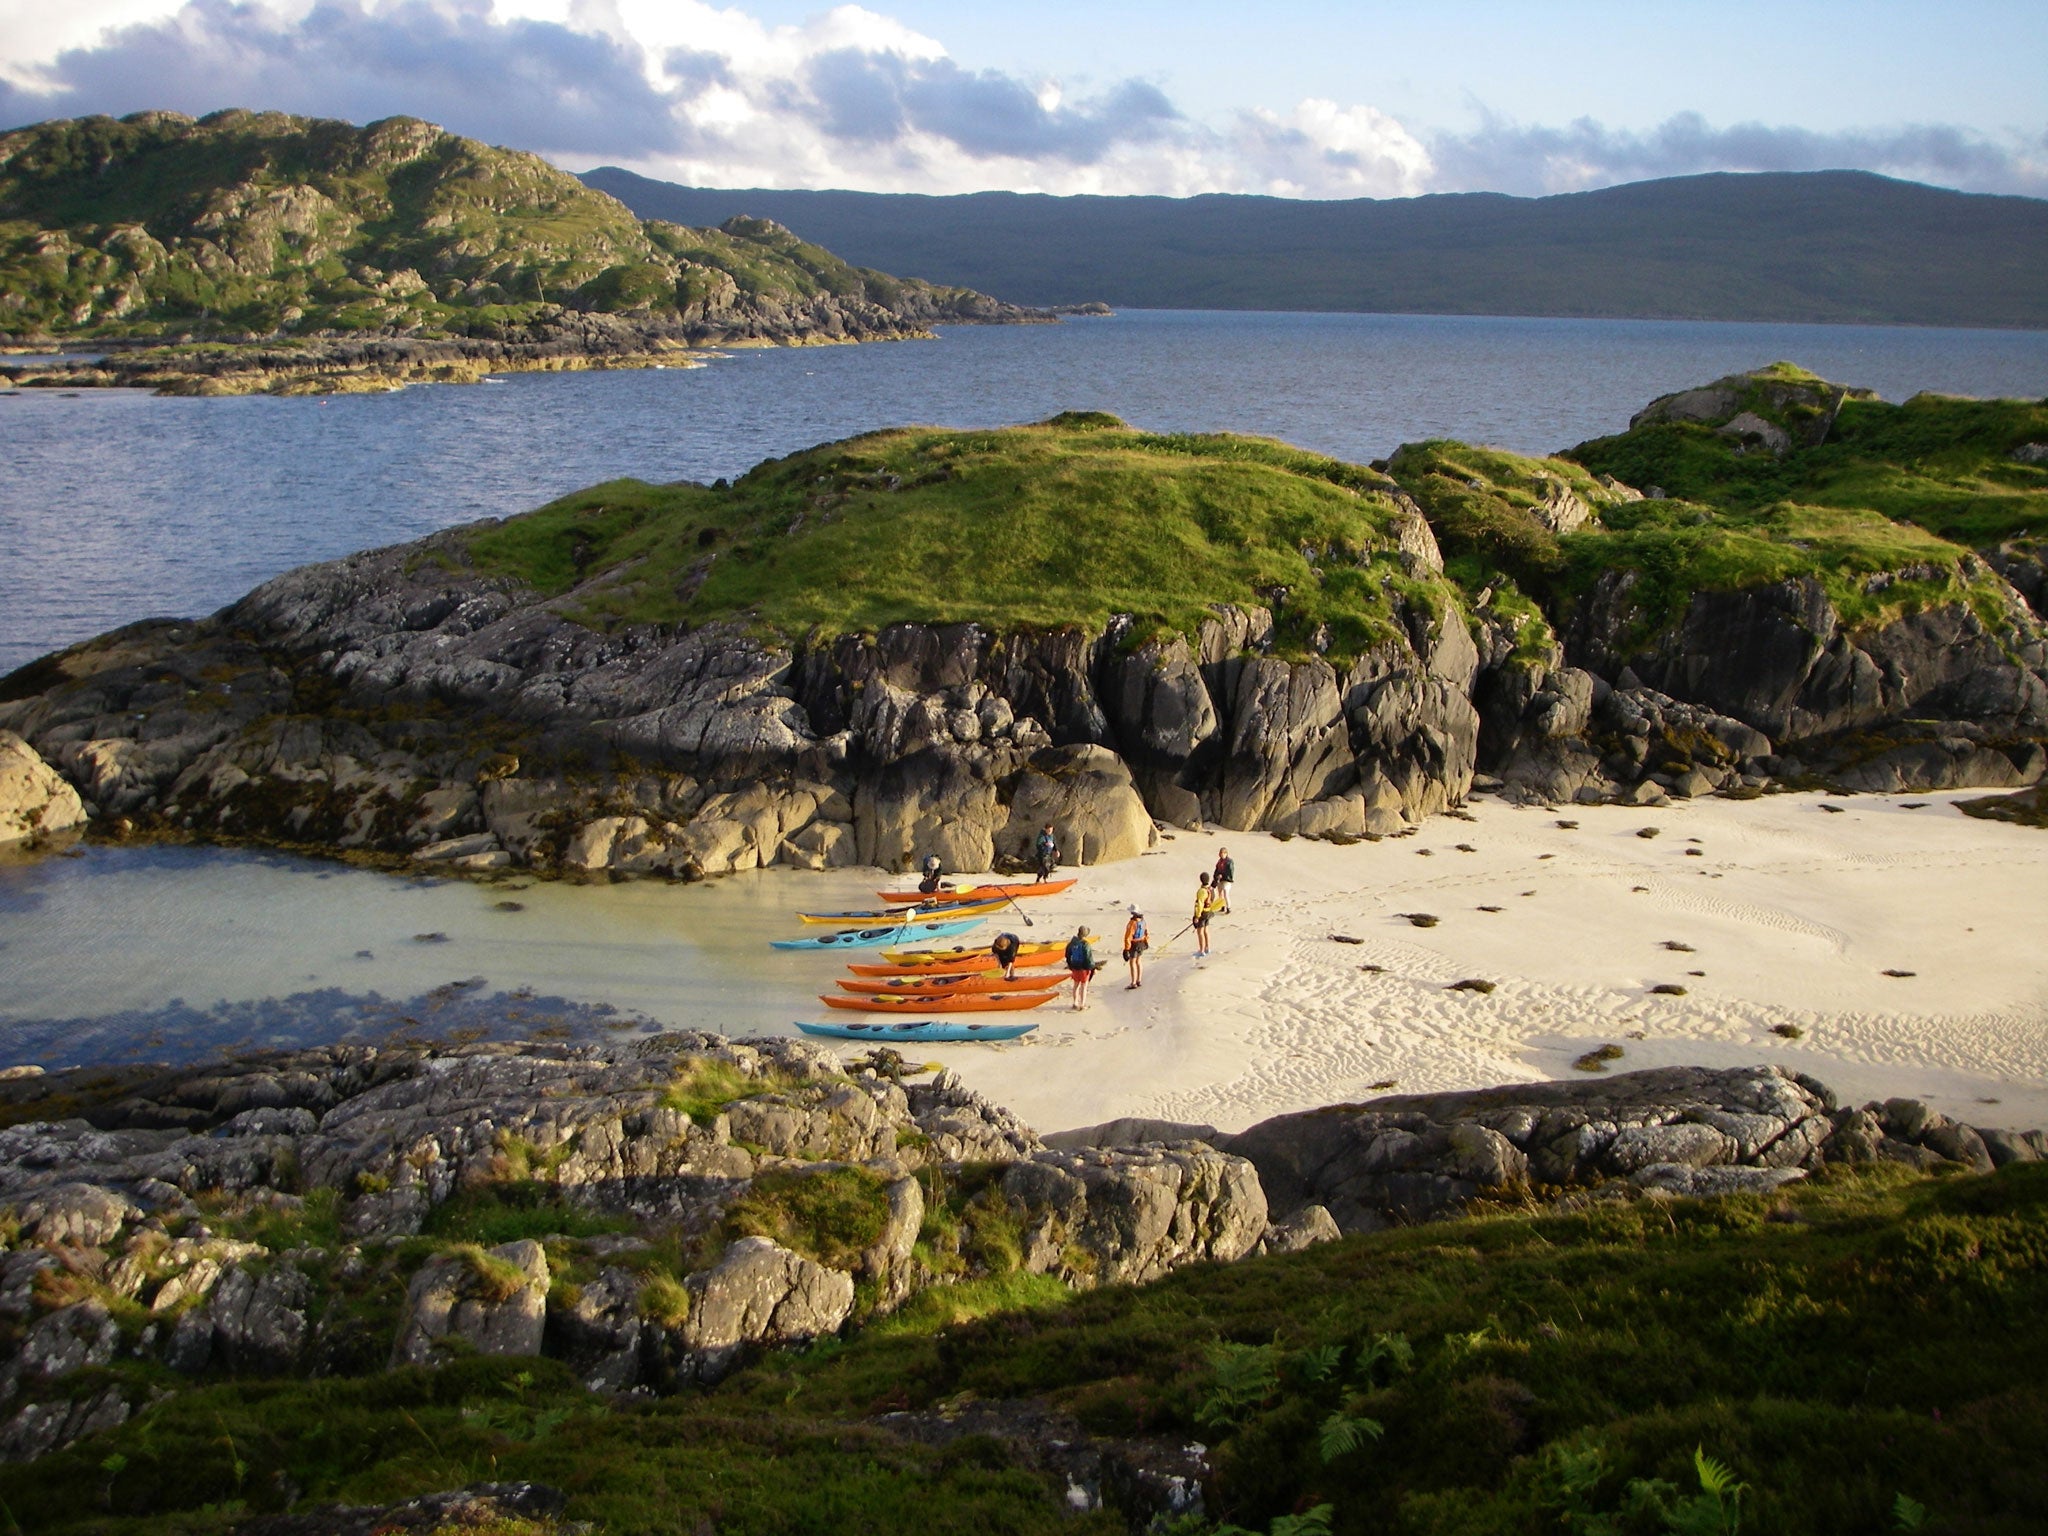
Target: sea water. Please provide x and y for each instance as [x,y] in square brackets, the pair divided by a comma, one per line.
[115,505]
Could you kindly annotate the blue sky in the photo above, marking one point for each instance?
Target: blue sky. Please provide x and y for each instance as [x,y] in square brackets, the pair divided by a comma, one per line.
[1312,99]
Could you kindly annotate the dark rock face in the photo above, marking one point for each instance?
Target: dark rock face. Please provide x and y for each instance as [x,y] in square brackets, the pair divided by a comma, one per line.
[1779,659]
[391,703]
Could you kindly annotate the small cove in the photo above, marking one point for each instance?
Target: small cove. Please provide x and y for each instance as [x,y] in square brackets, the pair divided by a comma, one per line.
[169,953]
[121,506]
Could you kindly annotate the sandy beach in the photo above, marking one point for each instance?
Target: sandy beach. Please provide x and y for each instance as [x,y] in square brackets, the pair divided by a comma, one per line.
[1793,909]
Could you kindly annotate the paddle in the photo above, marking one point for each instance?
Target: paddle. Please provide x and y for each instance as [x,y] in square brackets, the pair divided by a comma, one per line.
[1020,911]
[1162,949]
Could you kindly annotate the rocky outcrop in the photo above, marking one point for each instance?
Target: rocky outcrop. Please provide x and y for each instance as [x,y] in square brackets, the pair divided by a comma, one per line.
[1128,1215]
[794,1189]
[396,703]
[35,800]
[740,1196]
[492,1301]
[1672,1131]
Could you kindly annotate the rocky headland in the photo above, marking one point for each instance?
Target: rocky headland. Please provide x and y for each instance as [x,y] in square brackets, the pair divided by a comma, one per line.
[253,252]
[656,1215]
[934,642]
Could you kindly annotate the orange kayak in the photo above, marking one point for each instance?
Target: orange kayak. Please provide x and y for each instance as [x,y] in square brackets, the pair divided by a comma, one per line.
[984,892]
[955,981]
[975,960]
[927,1002]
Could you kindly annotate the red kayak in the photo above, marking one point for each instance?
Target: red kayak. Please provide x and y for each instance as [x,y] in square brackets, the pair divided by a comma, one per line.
[958,1002]
[983,892]
[980,960]
[929,986]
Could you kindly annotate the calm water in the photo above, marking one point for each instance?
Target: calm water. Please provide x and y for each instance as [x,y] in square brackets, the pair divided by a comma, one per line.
[116,506]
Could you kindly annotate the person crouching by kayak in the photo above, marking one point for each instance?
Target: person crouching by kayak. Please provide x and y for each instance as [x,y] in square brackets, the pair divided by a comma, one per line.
[1205,906]
[1080,966]
[1136,942]
[1005,950]
[1048,851]
[934,878]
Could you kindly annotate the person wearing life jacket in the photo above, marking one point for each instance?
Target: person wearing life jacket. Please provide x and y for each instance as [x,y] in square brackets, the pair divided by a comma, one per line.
[1005,950]
[1205,907]
[934,880]
[1136,941]
[1048,851]
[1080,967]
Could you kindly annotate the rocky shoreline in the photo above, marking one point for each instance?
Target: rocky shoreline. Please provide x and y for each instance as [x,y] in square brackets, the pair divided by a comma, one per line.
[561,340]
[688,1201]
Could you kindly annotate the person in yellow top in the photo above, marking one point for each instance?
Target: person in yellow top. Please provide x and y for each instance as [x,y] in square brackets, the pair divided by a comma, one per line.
[1207,904]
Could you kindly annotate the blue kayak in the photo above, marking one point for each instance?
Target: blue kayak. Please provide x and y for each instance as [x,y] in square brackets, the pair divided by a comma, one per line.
[931,1029]
[875,938]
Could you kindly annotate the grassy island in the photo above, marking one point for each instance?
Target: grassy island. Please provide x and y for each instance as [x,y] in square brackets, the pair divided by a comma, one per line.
[1080,517]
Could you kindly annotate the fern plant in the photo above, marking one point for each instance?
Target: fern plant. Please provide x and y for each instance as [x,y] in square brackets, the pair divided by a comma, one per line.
[1244,1377]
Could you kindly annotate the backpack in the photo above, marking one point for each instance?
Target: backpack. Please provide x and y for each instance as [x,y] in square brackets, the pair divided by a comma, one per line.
[1078,958]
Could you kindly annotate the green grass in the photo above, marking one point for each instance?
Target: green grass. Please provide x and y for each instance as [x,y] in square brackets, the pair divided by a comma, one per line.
[1028,528]
[1894,488]
[703,1086]
[1938,463]
[505,1212]
[1837,1345]
[832,1214]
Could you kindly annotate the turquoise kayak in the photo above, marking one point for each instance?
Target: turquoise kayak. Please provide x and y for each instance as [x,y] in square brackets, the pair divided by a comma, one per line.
[928,1029]
[875,938]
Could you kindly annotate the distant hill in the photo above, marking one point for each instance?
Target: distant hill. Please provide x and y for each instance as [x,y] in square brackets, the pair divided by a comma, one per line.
[258,224]
[1833,246]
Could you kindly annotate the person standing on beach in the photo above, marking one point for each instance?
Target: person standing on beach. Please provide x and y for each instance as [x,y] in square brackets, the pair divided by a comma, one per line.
[1005,950]
[1220,881]
[1048,851]
[1136,942]
[1080,966]
[1205,905]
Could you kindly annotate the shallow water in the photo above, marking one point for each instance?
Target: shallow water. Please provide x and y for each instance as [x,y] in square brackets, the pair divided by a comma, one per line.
[116,505]
[171,952]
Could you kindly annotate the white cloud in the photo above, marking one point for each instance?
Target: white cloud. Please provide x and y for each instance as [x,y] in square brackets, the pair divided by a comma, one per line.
[711,95]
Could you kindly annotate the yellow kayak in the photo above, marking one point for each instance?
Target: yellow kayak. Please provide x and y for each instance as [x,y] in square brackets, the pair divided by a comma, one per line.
[969,956]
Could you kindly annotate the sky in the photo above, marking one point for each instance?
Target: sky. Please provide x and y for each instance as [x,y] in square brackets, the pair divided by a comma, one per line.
[1295,98]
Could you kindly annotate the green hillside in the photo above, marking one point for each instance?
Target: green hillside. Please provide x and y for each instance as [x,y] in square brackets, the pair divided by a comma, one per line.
[1863,1352]
[246,223]
[1082,517]
[1063,523]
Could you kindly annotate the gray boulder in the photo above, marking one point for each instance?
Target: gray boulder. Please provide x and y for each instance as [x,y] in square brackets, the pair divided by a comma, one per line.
[757,1294]
[35,800]
[1096,1216]
[494,1301]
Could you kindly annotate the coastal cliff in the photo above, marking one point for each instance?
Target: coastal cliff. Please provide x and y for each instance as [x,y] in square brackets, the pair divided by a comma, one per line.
[933,642]
[250,251]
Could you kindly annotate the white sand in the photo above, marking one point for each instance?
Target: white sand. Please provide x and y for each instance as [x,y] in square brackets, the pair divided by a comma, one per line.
[1793,911]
